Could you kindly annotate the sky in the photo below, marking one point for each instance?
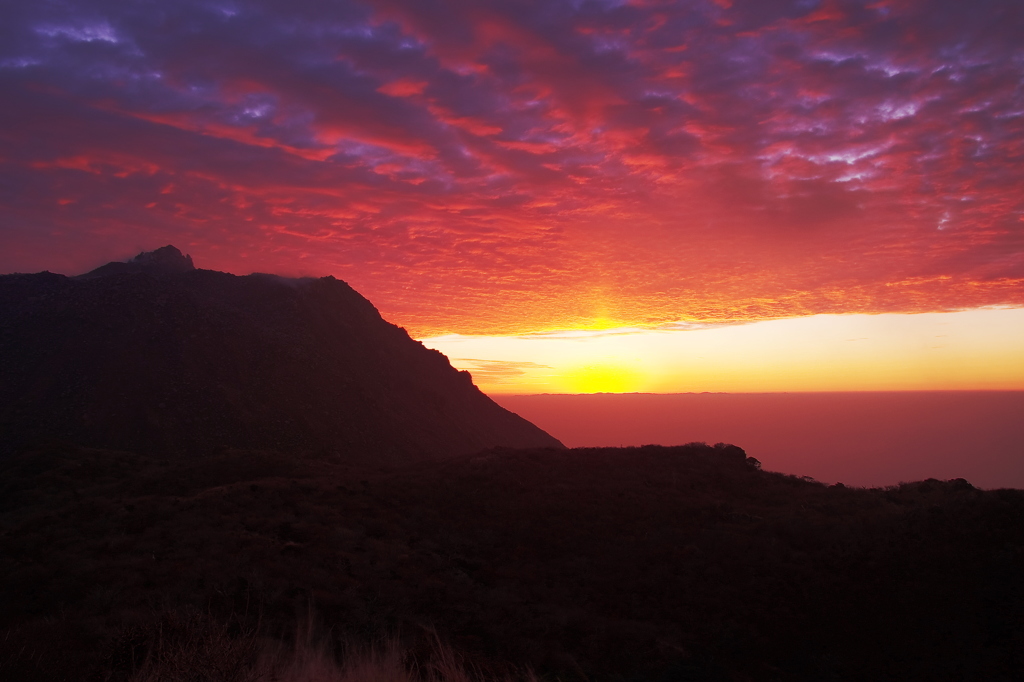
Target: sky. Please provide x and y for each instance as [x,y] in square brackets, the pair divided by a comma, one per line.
[970,350]
[563,195]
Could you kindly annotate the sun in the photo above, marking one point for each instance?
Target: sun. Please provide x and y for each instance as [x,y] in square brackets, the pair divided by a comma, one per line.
[602,378]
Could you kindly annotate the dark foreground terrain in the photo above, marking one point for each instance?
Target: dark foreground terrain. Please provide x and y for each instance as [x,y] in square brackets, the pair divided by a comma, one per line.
[650,563]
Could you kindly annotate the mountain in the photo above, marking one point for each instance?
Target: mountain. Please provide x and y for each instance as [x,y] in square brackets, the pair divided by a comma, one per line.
[155,355]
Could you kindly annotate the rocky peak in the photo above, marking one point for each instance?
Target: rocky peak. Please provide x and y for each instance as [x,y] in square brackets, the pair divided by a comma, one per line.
[166,259]
[163,261]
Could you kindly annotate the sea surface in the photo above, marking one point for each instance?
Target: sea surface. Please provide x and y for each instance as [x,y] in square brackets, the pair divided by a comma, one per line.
[861,439]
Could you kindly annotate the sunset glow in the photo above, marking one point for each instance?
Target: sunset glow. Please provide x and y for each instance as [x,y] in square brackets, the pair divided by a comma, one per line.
[972,350]
[688,171]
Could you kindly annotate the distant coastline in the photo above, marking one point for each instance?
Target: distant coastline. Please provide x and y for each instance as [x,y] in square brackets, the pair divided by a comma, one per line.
[863,438]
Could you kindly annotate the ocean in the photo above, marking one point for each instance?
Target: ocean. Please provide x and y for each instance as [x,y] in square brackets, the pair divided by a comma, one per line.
[864,439]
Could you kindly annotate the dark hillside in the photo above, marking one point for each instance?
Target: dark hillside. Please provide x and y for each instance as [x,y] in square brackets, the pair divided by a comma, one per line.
[640,564]
[154,355]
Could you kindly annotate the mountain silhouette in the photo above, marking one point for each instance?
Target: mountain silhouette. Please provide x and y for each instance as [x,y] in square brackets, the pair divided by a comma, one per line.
[155,355]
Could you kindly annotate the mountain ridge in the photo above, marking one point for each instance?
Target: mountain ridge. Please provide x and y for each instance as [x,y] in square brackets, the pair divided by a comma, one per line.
[155,354]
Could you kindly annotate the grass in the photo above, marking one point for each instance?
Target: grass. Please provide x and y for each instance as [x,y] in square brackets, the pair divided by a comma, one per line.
[188,646]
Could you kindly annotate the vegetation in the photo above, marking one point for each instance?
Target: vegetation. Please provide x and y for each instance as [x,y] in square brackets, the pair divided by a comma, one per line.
[651,563]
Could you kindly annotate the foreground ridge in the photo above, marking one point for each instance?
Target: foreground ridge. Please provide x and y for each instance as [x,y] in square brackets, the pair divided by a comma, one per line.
[601,564]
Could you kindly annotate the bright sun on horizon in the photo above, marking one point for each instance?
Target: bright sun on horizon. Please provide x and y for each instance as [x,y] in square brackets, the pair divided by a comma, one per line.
[601,377]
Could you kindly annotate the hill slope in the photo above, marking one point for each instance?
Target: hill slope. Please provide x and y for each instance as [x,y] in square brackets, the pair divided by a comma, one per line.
[647,564]
[156,355]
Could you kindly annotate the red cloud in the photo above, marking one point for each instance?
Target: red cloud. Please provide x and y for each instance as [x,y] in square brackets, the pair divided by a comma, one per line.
[495,166]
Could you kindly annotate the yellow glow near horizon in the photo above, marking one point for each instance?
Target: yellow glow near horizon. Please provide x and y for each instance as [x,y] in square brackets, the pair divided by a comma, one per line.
[606,377]
[968,350]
